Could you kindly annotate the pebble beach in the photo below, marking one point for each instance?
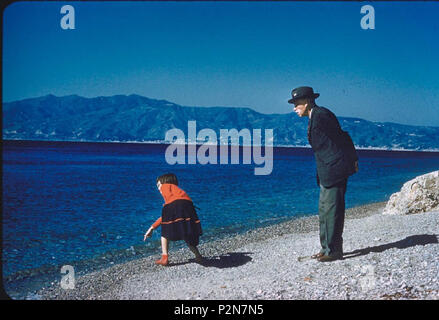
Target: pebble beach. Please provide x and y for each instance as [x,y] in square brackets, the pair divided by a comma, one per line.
[385,257]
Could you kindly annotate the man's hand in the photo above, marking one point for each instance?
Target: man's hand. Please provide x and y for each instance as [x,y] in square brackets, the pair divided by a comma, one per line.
[148,233]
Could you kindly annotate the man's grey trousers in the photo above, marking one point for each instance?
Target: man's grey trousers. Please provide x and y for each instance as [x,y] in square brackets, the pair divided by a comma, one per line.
[331,217]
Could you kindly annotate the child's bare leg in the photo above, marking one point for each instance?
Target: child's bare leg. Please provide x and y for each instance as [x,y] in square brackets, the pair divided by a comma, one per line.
[164,260]
[165,245]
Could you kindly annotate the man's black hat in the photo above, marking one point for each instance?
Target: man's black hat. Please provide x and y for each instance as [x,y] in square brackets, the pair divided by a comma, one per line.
[301,93]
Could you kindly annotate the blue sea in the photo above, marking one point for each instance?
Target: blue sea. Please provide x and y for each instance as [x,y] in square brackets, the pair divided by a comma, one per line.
[89,204]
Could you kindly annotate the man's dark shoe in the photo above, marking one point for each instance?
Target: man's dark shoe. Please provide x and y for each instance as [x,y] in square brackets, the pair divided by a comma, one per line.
[317,255]
[331,257]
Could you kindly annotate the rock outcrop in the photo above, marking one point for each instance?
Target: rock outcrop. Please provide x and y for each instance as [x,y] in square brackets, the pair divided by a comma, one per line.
[418,195]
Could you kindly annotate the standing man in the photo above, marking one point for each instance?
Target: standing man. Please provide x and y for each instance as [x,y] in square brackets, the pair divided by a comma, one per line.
[336,160]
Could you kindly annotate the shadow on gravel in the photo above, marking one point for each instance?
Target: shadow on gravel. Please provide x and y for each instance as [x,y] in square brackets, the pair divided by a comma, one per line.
[416,240]
[229,260]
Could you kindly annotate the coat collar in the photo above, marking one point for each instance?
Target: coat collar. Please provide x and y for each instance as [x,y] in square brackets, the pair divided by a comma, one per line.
[171,192]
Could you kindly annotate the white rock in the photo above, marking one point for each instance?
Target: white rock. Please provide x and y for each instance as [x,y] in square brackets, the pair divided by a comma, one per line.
[418,195]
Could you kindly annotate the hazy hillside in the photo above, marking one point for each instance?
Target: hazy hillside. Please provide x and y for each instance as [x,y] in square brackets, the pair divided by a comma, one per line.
[137,118]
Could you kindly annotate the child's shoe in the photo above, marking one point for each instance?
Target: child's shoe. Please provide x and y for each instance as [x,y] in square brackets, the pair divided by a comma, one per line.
[163,261]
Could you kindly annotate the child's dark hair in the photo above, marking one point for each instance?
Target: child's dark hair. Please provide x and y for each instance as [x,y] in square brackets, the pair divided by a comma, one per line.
[168,178]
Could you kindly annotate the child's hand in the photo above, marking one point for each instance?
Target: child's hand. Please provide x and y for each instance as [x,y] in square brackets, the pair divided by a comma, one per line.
[148,234]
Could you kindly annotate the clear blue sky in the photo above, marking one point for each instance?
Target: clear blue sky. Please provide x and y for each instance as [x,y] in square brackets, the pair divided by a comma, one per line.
[246,54]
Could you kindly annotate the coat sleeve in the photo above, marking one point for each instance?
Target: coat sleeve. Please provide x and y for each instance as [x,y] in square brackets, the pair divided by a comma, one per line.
[319,138]
[329,143]
[323,146]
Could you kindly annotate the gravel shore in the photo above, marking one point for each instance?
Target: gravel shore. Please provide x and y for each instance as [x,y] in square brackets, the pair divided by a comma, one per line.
[386,257]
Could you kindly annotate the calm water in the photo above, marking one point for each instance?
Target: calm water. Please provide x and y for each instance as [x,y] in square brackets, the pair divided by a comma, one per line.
[67,202]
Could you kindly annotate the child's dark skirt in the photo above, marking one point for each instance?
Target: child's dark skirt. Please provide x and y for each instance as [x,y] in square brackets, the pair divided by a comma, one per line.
[180,222]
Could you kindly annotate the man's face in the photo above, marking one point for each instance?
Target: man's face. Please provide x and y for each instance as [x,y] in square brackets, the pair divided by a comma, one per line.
[301,108]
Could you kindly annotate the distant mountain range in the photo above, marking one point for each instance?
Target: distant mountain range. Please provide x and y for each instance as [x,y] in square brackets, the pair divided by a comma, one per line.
[132,118]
